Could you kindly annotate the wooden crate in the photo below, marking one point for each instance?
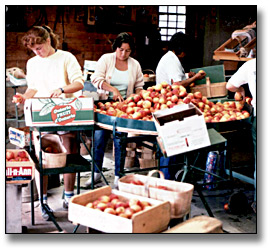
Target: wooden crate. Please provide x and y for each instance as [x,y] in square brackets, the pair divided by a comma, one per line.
[153,220]
[216,86]
[180,197]
[21,172]
[147,163]
[224,52]
[129,162]
[212,90]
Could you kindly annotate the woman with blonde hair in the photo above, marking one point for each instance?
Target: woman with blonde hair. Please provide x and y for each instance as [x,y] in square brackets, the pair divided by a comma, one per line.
[52,73]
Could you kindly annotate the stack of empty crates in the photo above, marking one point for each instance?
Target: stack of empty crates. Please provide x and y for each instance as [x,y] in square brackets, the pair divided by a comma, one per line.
[146,156]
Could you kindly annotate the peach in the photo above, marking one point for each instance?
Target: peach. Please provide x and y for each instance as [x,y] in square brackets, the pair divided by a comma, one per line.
[9,155]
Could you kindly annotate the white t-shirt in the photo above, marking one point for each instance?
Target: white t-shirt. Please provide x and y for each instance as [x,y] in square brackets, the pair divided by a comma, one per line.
[53,72]
[169,67]
[246,74]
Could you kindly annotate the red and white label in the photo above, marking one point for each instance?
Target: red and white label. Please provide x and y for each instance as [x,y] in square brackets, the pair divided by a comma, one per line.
[20,171]
[63,114]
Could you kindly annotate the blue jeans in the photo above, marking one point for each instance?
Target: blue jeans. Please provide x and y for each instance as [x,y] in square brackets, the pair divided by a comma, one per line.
[101,138]
[169,172]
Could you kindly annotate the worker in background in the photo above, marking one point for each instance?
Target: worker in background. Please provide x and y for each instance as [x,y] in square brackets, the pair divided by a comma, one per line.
[170,70]
[247,74]
[170,67]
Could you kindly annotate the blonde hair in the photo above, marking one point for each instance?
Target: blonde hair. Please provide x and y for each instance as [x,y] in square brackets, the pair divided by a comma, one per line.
[39,35]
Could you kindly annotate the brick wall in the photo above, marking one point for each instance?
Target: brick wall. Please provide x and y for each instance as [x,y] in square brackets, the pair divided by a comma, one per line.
[82,40]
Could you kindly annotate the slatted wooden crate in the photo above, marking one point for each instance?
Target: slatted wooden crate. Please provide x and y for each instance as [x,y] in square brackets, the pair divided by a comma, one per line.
[153,220]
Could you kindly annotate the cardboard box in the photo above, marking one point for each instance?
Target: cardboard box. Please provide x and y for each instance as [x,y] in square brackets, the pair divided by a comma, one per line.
[181,129]
[19,172]
[59,111]
[19,136]
[152,220]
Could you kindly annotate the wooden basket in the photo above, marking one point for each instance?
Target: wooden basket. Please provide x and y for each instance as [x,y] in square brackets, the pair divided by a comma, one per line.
[180,197]
[51,160]
[212,90]
[152,220]
[151,77]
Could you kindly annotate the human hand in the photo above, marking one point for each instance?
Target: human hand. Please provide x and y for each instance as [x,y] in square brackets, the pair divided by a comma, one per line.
[191,74]
[18,99]
[240,94]
[200,75]
[56,93]
[117,95]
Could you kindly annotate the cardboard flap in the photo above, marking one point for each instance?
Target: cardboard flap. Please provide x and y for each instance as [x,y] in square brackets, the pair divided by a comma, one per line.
[216,74]
[178,112]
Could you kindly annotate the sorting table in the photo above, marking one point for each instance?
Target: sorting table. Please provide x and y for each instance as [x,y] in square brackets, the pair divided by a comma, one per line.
[75,163]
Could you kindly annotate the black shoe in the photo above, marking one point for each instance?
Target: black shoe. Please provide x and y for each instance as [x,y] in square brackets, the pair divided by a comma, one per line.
[45,215]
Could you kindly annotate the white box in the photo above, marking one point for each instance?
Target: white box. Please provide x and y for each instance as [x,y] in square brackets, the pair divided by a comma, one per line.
[181,129]
[19,136]
[59,111]
[89,68]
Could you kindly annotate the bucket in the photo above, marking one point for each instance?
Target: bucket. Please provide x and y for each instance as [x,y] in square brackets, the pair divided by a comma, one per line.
[26,193]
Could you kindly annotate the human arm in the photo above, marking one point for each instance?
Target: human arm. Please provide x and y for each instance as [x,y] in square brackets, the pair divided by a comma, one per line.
[74,81]
[241,77]
[29,93]
[239,90]
[74,87]
[116,94]
[192,78]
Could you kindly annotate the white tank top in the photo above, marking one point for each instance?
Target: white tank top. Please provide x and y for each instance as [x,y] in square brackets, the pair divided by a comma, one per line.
[120,81]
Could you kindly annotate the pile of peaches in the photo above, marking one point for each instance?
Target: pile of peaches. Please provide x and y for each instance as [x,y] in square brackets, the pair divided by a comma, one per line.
[162,96]
[19,156]
[115,205]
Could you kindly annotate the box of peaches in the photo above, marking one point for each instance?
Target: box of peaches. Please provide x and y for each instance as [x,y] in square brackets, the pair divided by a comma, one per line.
[112,211]
[179,194]
[20,168]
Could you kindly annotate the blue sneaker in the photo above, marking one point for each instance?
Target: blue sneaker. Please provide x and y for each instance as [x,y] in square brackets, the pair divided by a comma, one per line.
[45,215]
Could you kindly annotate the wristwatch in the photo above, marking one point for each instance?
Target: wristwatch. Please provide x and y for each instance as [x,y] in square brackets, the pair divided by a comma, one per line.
[62,90]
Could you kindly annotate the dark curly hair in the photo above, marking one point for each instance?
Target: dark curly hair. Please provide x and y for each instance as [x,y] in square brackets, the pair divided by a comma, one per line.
[179,42]
[38,35]
[123,38]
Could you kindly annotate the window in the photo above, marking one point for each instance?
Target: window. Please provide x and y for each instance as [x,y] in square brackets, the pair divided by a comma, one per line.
[172,19]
